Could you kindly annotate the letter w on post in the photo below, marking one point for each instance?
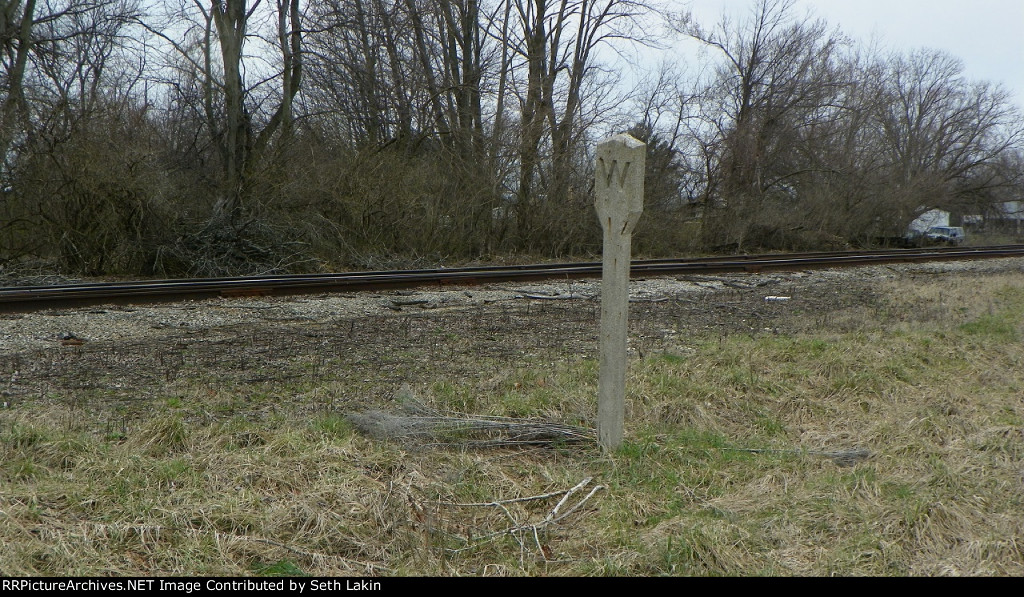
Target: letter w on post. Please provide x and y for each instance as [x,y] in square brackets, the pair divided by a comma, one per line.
[608,172]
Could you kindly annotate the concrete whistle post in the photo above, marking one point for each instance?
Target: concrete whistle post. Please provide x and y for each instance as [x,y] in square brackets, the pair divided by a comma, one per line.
[620,201]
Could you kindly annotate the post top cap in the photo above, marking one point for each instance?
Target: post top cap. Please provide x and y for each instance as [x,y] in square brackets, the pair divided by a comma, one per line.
[628,140]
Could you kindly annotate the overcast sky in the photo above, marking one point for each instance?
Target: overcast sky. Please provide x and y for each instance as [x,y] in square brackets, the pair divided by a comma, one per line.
[988,35]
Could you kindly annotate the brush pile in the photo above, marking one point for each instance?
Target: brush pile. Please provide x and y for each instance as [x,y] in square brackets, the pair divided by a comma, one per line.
[416,424]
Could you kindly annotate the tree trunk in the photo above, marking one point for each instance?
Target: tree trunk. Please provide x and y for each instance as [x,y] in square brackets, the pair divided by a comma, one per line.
[15,108]
[230,19]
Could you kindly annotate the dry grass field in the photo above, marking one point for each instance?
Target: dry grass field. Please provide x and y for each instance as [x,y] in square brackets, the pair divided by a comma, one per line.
[860,429]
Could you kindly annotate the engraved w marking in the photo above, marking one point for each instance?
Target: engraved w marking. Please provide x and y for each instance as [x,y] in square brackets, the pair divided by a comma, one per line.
[609,173]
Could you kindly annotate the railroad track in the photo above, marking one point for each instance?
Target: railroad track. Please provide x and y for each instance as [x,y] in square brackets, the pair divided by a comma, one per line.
[34,298]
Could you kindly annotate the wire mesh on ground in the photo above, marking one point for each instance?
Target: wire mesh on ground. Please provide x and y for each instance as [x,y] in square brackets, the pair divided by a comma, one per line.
[416,424]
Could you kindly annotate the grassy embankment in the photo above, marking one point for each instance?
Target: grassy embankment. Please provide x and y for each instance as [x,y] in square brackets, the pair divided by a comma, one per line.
[726,469]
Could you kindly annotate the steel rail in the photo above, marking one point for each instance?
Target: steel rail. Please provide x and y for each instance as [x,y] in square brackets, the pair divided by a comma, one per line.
[33,298]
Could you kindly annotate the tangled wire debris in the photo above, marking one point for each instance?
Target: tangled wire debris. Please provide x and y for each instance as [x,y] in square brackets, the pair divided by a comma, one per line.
[416,424]
[478,432]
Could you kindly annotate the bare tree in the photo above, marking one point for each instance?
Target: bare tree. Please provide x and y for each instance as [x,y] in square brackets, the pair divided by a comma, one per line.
[246,97]
[940,132]
[841,180]
[80,185]
[776,78]
[558,40]
[17,20]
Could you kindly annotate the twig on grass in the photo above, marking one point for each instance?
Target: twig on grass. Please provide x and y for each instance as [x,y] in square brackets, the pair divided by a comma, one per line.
[554,511]
[531,498]
[553,517]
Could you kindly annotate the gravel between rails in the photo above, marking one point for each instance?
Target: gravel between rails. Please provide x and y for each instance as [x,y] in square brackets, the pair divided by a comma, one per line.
[40,330]
[385,339]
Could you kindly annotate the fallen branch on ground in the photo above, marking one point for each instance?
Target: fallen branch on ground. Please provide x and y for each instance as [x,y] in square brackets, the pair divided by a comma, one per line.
[532,529]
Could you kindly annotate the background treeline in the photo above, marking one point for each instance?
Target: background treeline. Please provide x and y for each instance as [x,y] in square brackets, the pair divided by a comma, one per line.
[198,137]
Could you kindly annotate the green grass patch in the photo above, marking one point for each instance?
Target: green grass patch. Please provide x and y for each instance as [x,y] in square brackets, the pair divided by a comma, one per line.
[995,327]
[280,568]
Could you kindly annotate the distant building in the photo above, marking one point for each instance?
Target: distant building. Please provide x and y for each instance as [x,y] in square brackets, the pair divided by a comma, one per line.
[932,217]
[1011,215]
[1006,217]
